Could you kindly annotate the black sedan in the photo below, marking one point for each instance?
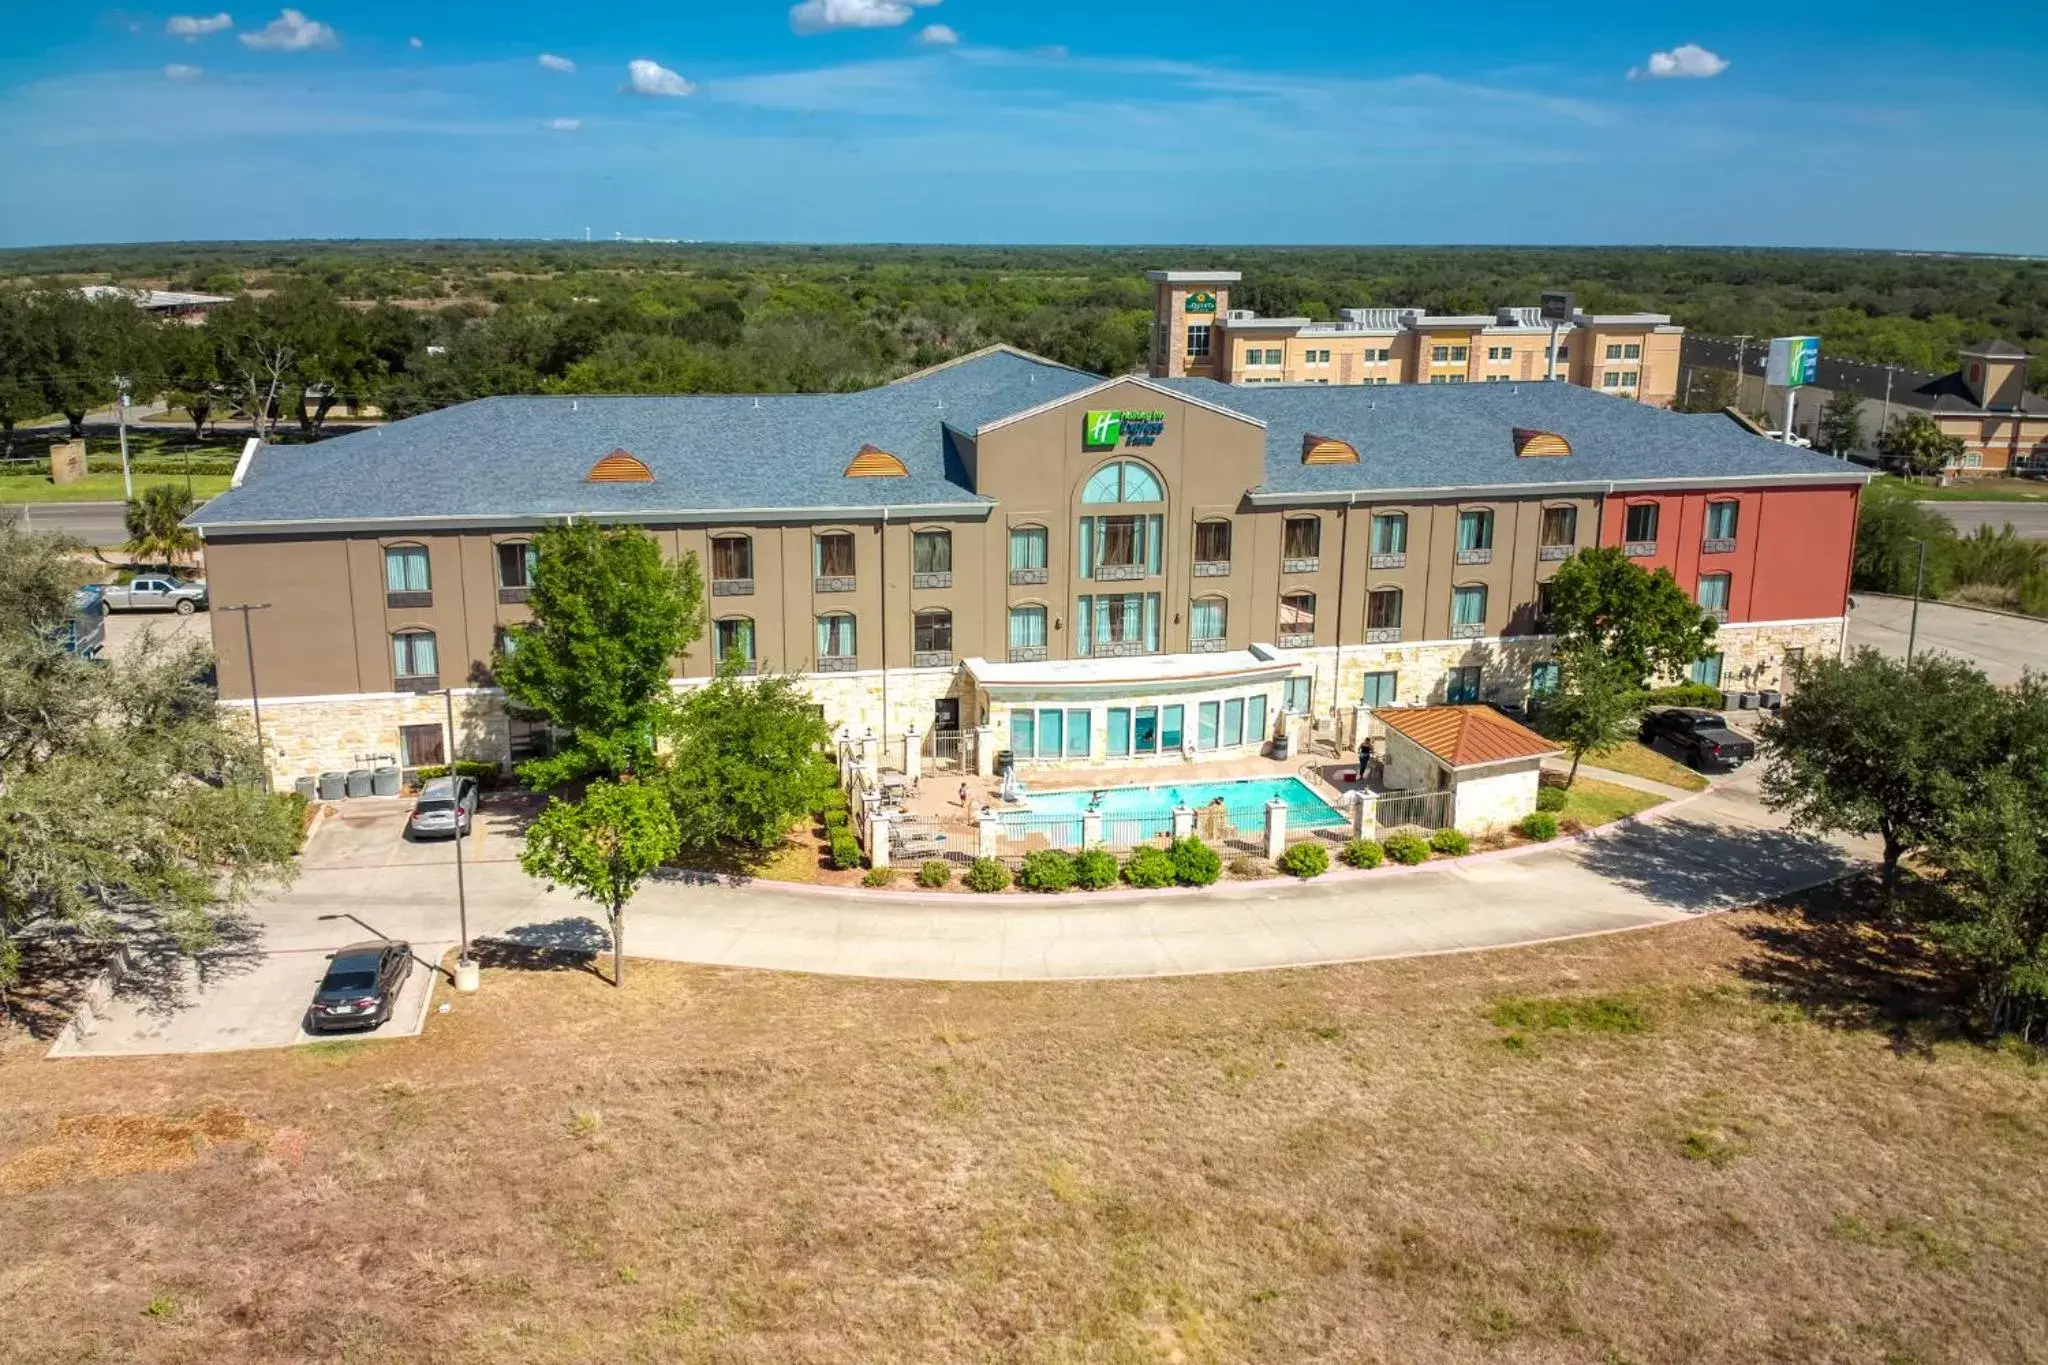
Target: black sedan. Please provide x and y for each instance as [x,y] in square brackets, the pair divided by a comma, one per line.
[361,986]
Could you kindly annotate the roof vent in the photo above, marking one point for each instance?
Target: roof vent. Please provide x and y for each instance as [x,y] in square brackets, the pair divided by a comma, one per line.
[1532,444]
[873,462]
[1327,450]
[619,467]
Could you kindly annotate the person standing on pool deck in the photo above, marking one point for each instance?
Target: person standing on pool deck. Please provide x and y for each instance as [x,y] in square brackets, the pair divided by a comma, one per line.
[964,802]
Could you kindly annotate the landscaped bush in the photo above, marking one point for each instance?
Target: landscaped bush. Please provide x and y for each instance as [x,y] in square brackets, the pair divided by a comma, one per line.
[1194,862]
[835,820]
[1538,825]
[1148,867]
[845,850]
[988,876]
[1245,866]
[1407,848]
[1450,842]
[879,876]
[834,799]
[1686,694]
[1048,870]
[486,774]
[1094,869]
[933,873]
[1552,798]
[1363,853]
[1305,861]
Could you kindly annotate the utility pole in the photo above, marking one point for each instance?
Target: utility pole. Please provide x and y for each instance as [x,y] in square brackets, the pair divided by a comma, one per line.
[1886,420]
[1741,348]
[1919,583]
[466,974]
[127,480]
[255,703]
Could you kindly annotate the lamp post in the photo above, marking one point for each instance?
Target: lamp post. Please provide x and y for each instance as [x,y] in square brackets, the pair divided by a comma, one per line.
[255,701]
[467,977]
[1919,583]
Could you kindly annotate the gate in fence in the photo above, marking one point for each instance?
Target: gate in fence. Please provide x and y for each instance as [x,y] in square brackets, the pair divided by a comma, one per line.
[951,751]
[1424,811]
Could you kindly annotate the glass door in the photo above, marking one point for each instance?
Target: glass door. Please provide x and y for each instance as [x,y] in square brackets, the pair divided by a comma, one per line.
[1145,730]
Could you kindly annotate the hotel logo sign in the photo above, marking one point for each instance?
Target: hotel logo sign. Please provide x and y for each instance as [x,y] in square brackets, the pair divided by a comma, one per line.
[1106,428]
[1201,301]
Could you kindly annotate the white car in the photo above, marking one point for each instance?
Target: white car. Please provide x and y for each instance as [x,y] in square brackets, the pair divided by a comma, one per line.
[1802,442]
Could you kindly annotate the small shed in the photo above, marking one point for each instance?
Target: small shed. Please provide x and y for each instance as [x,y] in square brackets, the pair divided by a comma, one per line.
[1491,764]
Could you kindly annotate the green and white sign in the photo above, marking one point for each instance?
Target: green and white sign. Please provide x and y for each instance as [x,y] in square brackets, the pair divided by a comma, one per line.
[1201,301]
[1105,428]
[1794,362]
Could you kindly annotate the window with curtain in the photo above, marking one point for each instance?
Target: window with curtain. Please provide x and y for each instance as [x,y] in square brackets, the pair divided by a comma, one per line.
[732,557]
[1298,613]
[1560,526]
[1027,627]
[1301,538]
[405,569]
[413,655]
[931,552]
[1390,533]
[1383,609]
[1208,619]
[836,636]
[1640,524]
[1475,529]
[733,635]
[1123,481]
[1714,591]
[1721,520]
[1381,688]
[1120,542]
[932,632]
[1212,542]
[1468,605]
[1027,548]
[516,559]
[1117,624]
[834,551]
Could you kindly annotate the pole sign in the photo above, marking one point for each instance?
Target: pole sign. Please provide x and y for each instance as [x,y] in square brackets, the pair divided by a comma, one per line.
[1793,362]
[1105,428]
[1558,306]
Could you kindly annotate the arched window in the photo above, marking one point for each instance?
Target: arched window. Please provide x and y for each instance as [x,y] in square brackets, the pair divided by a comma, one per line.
[832,558]
[836,644]
[932,638]
[931,559]
[1714,595]
[1208,624]
[1639,528]
[1212,548]
[1027,633]
[1475,535]
[732,566]
[1297,619]
[1301,544]
[1027,554]
[1468,611]
[407,582]
[1123,481]
[733,636]
[415,662]
[516,560]
[1389,540]
[1382,616]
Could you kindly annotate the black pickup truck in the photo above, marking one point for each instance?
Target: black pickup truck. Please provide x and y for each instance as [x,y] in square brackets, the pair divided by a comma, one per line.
[1698,736]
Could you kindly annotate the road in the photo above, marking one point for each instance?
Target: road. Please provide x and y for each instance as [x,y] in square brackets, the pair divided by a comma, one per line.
[2003,646]
[2030,519]
[95,523]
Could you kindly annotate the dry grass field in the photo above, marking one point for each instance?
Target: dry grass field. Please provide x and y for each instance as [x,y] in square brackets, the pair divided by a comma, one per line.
[1724,1141]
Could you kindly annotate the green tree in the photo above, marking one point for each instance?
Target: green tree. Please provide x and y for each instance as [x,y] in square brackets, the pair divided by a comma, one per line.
[1841,423]
[193,378]
[156,530]
[1595,705]
[610,618]
[1603,599]
[1873,746]
[746,759]
[1915,445]
[1890,526]
[602,848]
[1707,391]
[24,358]
[86,347]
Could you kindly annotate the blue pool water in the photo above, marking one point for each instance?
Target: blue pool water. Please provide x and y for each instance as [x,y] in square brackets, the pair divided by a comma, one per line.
[1246,800]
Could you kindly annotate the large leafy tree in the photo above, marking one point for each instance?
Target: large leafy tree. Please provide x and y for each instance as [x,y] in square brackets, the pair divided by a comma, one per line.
[128,807]
[193,377]
[1707,391]
[1874,746]
[24,359]
[1890,527]
[1595,705]
[745,759]
[1603,600]
[1915,445]
[1841,423]
[610,617]
[87,347]
[602,847]
[155,517]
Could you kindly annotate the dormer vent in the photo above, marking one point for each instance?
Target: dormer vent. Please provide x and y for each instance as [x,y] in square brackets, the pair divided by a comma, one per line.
[873,462]
[619,467]
[1531,444]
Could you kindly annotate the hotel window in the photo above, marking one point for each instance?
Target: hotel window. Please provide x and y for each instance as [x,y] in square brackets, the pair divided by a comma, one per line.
[1119,547]
[415,664]
[836,637]
[1382,356]
[931,635]
[1027,628]
[1172,723]
[1390,533]
[732,566]
[1301,538]
[1383,609]
[1546,602]
[1632,351]
[516,561]
[733,635]
[1614,352]
[1145,730]
[1468,609]
[1318,357]
[1297,617]
[1500,353]
[1714,593]
[1122,481]
[1439,379]
[1380,379]
[1461,686]
[1475,531]
[931,559]
[1027,554]
[1381,688]
[1198,339]
[1721,517]
[1296,693]
[1439,353]
[832,552]
[1459,354]
[1212,543]
[406,582]
[1560,526]
[1208,620]
[1116,625]
[1629,378]
[1543,678]
[1457,379]
[1611,379]
[1707,671]
[1499,378]
[1639,525]
[1050,733]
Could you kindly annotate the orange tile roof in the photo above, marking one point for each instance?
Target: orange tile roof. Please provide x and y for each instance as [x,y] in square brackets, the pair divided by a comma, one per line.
[1466,736]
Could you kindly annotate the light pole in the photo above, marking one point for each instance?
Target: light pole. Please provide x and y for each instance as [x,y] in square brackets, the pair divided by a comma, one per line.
[1886,420]
[255,703]
[1919,582]
[127,479]
[467,978]
[1741,349]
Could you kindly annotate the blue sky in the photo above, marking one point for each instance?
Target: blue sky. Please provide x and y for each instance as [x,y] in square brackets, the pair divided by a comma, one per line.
[1859,123]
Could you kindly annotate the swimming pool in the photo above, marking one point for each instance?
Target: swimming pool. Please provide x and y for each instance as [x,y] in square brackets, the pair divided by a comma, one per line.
[1245,799]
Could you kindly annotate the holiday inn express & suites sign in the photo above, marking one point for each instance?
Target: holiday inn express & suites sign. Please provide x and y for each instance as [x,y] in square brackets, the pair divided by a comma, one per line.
[1104,428]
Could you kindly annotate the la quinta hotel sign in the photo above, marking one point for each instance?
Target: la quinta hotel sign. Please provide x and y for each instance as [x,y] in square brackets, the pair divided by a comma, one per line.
[1107,428]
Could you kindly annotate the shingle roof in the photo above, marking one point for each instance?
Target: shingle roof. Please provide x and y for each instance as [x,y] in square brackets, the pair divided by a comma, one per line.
[1998,348]
[1430,436]
[1466,736]
[1950,393]
[528,456]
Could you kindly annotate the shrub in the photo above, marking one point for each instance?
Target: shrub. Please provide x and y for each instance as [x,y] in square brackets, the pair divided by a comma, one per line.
[879,876]
[1246,866]
[1363,853]
[1305,861]
[835,820]
[1194,862]
[1094,869]
[1539,825]
[486,774]
[1047,870]
[933,873]
[1407,848]
[1450,842]
[834,799]
[1148,867]
[2033,594]
[845,850]
[1686,694]
[1552,798]
[988,876]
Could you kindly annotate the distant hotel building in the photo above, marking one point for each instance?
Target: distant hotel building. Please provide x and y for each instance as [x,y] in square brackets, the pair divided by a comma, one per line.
[1196,333]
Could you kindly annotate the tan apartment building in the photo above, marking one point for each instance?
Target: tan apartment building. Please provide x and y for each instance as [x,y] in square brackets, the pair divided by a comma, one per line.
[1197,334]
[1005,553]
[1985,403]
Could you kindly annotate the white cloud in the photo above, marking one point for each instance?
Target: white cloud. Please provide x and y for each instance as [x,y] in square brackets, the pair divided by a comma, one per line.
[178,71]
[193,27]
[652,78]
[414,43]
[563,125]
[938,35]
[291,31]
[1685,60]
[822,16]
[554,63]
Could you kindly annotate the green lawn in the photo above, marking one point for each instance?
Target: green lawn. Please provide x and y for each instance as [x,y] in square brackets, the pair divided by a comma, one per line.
[1969,490]
[1593,802]
[100,487]
[1640,761]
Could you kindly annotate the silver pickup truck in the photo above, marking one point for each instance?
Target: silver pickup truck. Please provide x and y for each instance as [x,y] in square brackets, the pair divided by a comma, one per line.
[155,592]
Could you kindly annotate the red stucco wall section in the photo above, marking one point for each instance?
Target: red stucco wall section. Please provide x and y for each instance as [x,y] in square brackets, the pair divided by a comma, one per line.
[1793,547]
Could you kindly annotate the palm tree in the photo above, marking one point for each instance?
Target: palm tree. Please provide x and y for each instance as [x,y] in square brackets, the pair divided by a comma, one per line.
[156,530]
